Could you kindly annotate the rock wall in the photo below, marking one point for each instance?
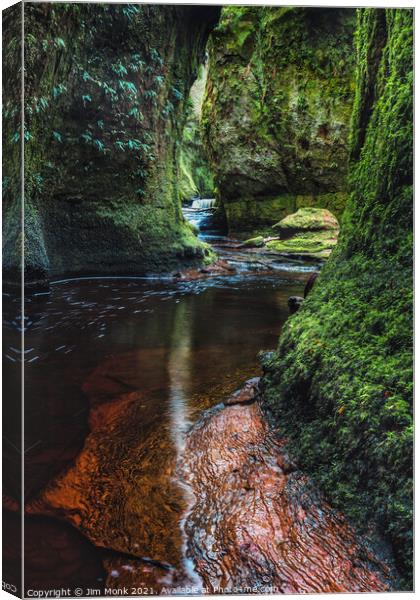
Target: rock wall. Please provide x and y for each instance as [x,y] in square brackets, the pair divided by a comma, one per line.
[277,110]
[105,101]
[12,147]
[340,384]
[195,176]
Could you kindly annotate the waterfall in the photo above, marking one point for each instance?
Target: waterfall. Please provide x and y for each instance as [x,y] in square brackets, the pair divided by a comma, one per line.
[204,203]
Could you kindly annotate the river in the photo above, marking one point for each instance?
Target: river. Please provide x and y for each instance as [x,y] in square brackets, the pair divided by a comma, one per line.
[117,371]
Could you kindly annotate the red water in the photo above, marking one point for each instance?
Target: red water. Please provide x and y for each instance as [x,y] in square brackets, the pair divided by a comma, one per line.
[117,371]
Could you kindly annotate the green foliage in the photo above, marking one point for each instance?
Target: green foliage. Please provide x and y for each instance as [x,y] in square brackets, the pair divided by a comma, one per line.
[278,103]
[57,136]
[127,86]
[340,384]
[195,176]
[98,80]
[59,42]
[86,98]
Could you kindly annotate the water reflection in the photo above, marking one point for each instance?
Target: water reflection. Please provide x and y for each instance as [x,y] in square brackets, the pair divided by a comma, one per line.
[179,368]
[123,367]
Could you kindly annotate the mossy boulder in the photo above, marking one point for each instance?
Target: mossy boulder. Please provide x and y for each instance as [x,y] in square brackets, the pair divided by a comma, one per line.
[340,384]
[277,109]
[311,244]
[314,219]
[309,232]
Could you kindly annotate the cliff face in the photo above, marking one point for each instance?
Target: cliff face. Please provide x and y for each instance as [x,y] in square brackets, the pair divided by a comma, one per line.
[105,101]
[340,383]
[277,110]
[195,176]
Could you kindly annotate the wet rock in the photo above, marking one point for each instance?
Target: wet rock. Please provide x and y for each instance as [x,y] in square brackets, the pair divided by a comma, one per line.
[219,267]
[88,229]
[246,394]
[294,303]
[258,523]
[295,154]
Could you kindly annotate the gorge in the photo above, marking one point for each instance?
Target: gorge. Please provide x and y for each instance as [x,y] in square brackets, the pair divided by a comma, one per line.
[187,168]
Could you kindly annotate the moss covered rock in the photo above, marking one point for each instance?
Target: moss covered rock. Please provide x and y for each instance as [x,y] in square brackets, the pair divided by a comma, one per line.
[256,242]
[277,110]
[308,219]
[310,244]
[340,384]
[106,92]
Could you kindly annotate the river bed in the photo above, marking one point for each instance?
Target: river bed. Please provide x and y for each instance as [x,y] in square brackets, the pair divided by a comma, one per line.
[118,372]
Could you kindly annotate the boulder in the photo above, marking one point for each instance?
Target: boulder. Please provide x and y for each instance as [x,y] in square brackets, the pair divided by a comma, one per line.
[308,219]
[310,232]
[311,244]
[294,303]
[248,393]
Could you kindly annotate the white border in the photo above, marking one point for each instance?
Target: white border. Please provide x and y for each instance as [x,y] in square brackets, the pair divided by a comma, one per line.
[344,3]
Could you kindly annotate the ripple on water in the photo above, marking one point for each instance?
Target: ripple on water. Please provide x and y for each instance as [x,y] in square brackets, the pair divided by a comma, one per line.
[110,394]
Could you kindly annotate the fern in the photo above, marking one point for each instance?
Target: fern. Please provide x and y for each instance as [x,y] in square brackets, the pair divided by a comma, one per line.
[127,86]
[119,69]
[58,90]
[99,144]
[59,42]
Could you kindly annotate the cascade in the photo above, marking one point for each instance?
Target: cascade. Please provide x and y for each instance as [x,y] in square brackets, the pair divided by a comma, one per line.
[204,203]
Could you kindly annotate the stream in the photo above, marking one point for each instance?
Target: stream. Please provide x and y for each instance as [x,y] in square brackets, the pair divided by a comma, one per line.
[118,374]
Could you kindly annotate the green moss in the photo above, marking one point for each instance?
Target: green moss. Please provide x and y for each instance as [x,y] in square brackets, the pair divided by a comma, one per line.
[256,242]
[259,214]
[195,176]
[335,202]
[244,215]
[306,243]
[308,218]
[106,92]
[278,105]
[340,384]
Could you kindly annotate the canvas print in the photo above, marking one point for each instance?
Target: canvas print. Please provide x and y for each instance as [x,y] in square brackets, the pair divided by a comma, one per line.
[207,313]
